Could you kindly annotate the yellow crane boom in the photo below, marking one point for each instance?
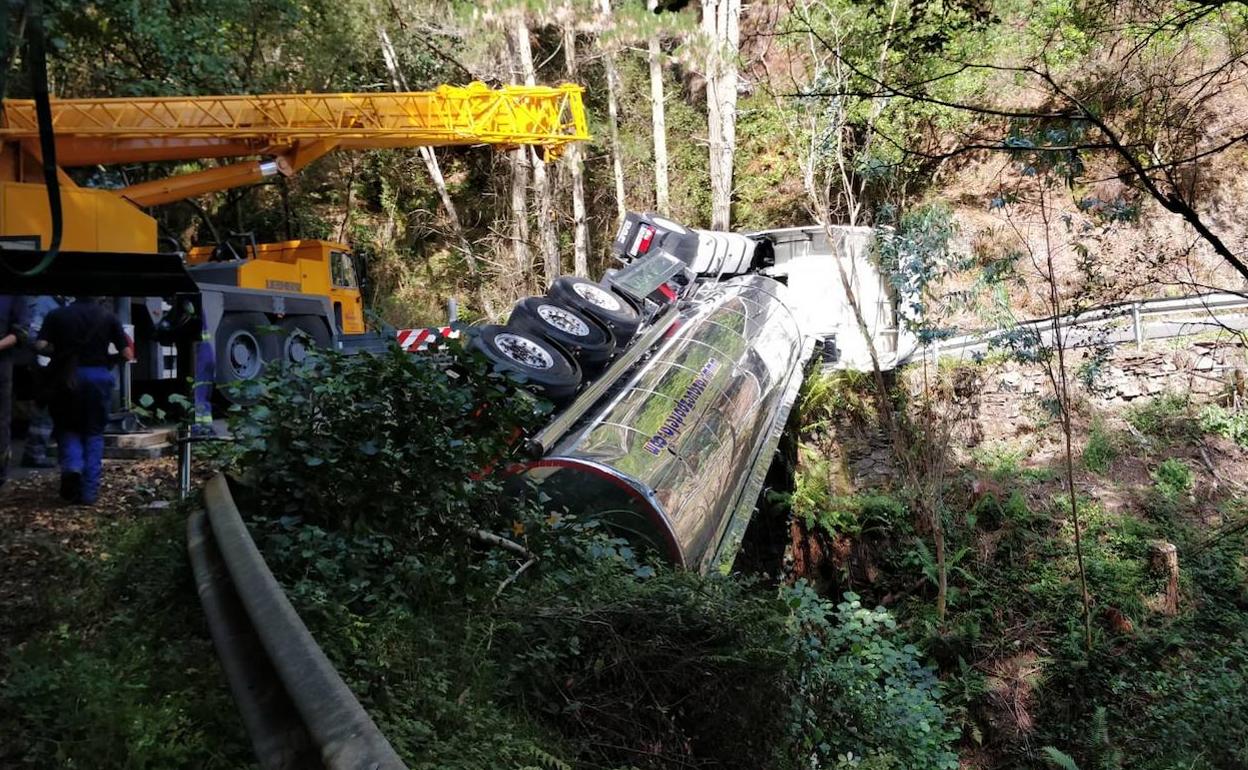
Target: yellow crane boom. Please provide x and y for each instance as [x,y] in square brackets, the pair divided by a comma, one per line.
[292,130]
[91,131]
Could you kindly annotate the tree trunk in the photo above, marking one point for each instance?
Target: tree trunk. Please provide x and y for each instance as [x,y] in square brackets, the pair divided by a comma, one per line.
[576,168]
[435,174]
[659,118]
[1166,562]
[547,238]
[428,156]
[520,215]
[1061,389]
[613,121]
[942,567]
[720,22]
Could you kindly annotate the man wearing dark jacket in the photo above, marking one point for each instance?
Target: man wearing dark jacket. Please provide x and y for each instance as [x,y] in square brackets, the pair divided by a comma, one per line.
[78,338]
[39,430]
[12,332]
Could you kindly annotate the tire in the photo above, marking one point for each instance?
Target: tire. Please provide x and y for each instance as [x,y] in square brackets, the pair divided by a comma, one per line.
[299,334]
[599,302]
[245,346]
[243,349]
[582,335]
[543,365]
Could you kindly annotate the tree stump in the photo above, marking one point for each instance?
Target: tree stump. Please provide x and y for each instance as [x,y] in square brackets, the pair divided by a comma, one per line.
[1166,562]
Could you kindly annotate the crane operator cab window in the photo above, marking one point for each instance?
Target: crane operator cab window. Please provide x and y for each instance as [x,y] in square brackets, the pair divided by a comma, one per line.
[343,268]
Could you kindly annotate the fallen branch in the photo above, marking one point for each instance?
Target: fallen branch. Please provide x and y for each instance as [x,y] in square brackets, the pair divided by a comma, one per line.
[514,576]
[498,541]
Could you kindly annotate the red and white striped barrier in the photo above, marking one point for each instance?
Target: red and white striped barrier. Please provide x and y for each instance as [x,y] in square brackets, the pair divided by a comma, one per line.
[417,340]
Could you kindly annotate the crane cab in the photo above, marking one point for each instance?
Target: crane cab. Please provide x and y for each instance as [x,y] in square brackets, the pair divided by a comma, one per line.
[308,267]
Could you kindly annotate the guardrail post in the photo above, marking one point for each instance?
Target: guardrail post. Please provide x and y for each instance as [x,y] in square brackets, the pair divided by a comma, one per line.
[1137,326]
[184,463]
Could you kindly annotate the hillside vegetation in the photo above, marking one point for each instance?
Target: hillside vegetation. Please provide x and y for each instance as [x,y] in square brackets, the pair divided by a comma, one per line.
[1026,559]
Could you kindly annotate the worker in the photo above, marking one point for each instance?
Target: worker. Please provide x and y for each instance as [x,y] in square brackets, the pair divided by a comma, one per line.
[39,429]
[12,332]
[84,340]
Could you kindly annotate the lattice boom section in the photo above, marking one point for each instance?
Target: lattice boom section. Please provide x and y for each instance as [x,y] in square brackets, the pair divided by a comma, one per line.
[549,116]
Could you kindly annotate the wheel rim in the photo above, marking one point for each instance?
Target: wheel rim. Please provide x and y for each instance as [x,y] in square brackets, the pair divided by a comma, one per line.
[242,351]
[563,320]
[523,351]
[297,346]
[596,296]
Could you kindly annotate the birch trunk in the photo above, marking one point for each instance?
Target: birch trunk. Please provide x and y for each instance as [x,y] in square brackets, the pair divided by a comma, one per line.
[720,23]
[613,121]
[547,238]
[576,168]
[429,157]
[659,118]
[520,215]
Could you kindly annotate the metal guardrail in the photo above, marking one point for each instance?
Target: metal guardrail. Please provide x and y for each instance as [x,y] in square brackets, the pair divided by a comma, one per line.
[1146,320]
[299,713]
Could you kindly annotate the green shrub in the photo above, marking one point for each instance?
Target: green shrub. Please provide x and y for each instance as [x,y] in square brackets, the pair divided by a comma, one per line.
[839,395]
[1173,478]
[393,442]
[992,512]
[1001,459]
[1223,422]
[1162,417]
[1004,462]
[814,502]
[593,656]
[859,692]
[1101,449]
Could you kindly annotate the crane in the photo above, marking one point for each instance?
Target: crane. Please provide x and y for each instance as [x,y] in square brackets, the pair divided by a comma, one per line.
[306,289]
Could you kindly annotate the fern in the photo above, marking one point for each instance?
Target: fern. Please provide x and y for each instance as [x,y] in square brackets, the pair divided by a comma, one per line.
[545,760]
[1059,759]
[1100,728]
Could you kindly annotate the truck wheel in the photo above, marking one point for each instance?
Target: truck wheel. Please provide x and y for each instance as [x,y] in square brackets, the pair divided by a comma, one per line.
[585,338]
[544,367]
[301,333]
[600,302]
[243,349]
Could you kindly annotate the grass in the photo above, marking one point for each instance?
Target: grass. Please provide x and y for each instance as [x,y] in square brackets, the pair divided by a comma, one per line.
[1101,448]
[123,675]
[1224,422]
[1165,417]
[1005,463]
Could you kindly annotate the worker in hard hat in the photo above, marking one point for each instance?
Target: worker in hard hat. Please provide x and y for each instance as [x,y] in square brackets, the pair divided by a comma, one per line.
[84,340]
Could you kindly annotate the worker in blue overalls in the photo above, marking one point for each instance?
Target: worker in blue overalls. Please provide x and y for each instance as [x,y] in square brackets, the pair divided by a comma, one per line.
[84,341]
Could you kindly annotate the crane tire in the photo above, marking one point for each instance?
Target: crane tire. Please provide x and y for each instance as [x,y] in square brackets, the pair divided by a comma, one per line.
[300,334]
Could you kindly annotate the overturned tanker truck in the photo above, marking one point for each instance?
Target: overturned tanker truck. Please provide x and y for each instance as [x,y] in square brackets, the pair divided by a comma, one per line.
[674,378]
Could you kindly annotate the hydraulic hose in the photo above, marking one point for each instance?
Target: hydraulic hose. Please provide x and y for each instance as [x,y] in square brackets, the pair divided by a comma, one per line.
[47,139]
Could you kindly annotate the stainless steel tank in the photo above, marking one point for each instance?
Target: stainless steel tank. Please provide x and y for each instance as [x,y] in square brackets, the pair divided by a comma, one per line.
[676,457]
